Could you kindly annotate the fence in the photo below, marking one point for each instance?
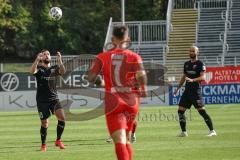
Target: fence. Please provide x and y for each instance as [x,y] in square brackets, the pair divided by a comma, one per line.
[148,38]
[211,3]
[217,60]
[145,32]
[76,63]
[210,32]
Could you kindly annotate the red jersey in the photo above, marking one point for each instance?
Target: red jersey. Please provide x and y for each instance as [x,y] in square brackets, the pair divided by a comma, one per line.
[118,67]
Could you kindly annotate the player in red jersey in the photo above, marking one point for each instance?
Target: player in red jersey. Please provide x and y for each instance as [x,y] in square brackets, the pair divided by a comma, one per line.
[125,82]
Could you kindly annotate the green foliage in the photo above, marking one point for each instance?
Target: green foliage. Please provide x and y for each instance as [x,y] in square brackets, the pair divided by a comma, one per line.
[26,28]
[14,19]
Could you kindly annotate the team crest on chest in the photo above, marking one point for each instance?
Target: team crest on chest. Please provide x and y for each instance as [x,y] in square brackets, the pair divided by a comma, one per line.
[52,70]
[194,66]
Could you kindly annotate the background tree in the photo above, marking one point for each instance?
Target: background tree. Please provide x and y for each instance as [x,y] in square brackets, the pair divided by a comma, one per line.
[26,29]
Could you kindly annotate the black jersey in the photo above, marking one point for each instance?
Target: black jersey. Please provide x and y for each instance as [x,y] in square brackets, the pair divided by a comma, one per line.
[46,83]
[193,70]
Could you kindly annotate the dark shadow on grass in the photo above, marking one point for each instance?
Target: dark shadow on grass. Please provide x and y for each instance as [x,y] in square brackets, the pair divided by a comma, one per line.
[15,147]
[74,140]
[19,115]
[51,144]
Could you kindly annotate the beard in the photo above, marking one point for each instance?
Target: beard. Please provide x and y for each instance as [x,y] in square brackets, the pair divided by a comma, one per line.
[46,61]
[193,56]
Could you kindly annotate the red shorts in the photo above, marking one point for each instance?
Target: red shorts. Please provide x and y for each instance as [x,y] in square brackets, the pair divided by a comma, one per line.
[121,111]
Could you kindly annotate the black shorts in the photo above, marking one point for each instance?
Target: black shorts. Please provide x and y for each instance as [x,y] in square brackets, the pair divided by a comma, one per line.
[190,98]
[46,108]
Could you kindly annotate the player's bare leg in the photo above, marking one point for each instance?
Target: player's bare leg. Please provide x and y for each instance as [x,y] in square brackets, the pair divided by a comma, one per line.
[43,133]
[182,121]
[208,121]
[133,134]
[60,127]
[131,138]
[120,140]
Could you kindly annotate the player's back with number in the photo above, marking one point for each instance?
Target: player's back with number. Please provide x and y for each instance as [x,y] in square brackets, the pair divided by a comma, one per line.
[119,67]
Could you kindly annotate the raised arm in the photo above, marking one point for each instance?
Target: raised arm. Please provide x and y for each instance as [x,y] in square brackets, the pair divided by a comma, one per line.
[34,69]
[62,69]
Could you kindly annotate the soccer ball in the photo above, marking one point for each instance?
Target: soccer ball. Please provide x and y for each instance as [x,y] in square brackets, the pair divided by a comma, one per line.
[55,13]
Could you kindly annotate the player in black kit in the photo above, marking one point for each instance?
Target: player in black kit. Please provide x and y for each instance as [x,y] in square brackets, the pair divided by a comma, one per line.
[47,98]
[194,73]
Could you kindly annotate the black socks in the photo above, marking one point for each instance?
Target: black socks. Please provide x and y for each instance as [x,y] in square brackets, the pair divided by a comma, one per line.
[60,129]
[206,118]
[182,120]
[43,133]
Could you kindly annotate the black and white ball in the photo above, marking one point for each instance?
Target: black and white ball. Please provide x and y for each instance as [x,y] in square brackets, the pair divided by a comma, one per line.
[55,13]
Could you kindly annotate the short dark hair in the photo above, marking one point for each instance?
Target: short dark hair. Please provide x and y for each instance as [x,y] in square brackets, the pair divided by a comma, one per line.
[120,32]
[44,50]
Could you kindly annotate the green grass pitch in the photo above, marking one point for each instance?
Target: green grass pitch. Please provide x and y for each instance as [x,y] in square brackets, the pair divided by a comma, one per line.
[156,136]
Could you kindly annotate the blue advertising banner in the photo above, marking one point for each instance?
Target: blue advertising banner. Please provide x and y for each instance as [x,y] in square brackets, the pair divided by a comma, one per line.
[212,94]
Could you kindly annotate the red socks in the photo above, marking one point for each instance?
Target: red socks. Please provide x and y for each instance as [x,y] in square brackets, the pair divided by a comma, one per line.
[122,151]
[130,151]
